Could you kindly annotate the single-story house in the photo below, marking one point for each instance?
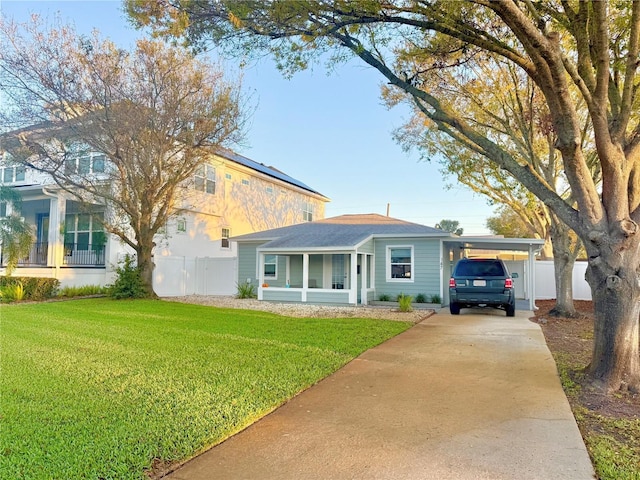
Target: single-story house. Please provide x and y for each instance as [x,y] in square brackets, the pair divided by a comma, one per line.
[354,259]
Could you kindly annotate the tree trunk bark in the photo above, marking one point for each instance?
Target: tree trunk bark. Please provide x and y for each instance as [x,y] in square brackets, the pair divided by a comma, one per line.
[613,277]
[563,262]
[146,266]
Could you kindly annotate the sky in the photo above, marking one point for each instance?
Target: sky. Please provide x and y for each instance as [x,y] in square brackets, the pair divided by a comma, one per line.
[330,131]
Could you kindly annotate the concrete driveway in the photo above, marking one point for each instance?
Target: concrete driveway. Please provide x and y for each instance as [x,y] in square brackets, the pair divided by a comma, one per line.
[474,396]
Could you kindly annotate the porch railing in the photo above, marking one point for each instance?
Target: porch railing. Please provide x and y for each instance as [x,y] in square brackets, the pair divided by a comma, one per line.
[76,254]
[37,256]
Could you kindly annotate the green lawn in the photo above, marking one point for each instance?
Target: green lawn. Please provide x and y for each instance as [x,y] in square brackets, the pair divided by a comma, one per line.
[100,388]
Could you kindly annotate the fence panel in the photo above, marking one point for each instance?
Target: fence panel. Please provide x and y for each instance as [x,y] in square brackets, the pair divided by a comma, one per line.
[178,276]
[546,282]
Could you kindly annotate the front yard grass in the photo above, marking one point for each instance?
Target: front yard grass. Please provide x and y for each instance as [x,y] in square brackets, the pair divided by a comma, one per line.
[106,389]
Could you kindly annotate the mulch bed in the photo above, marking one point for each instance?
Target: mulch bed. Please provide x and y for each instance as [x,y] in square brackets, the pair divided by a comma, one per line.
[572,338]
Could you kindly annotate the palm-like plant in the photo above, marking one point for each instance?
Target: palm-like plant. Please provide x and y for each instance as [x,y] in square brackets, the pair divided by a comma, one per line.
[16,235]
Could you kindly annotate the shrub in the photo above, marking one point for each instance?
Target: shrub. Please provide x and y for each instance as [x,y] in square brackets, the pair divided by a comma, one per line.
[246,290]
[129,282]
[35,288]
[82,291]
[435,298]
[12,293]
[405,302]
[421,298]
[384,297]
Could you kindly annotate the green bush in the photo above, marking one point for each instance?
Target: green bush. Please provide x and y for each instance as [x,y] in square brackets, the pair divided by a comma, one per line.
[421,298]
[405,302]
[246,290]
[384,297]
[82,291]
[129,282]
[35,288]
[12,293]
[435,298]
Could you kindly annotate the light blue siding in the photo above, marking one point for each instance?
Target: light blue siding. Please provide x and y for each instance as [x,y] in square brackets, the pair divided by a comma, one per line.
[247,263]
[367,247]
[328,297]
[426,268]
[282,295]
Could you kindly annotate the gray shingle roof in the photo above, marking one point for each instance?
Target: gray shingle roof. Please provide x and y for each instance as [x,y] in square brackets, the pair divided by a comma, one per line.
[338,232]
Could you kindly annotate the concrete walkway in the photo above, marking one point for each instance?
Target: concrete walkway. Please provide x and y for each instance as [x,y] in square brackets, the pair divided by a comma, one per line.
[474,397]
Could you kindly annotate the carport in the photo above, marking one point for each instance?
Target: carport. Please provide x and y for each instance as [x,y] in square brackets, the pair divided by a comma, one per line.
[456,248]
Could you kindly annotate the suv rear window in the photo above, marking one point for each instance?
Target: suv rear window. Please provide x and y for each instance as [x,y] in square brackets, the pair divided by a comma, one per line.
[479,269]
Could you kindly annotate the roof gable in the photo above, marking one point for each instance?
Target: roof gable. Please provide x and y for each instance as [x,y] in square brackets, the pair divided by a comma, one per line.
[343,231]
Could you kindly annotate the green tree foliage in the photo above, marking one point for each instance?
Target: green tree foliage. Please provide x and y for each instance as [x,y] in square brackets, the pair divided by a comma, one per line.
[16,236]
[507,223]
[156,112]
[451,226]
[575,54]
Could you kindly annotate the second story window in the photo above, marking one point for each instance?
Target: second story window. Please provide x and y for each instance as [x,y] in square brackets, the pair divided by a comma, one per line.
[85,164]
[12,174]
[225,238]
[205,179]
[307,212]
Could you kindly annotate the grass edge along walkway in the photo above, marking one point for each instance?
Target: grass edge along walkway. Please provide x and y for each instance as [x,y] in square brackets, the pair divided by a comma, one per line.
[105,389]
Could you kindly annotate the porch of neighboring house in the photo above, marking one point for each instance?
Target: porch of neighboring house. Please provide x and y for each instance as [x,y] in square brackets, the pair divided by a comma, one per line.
[65,235]
[330,277]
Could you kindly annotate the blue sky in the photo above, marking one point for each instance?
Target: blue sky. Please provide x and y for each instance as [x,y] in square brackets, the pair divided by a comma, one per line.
[329,131]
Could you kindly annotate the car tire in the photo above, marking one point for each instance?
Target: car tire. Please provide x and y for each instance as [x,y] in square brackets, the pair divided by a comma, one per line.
[511,310]
[454,308]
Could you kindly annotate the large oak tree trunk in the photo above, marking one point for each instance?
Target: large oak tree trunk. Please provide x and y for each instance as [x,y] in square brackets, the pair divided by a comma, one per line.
[563,262]
[146,265]
[615,287]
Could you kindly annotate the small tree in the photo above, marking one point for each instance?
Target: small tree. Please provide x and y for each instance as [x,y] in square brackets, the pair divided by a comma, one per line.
[16,236]
[157,113]
[451,226]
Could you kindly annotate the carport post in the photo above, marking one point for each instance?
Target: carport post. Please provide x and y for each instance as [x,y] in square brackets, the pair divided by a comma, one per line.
[531,278]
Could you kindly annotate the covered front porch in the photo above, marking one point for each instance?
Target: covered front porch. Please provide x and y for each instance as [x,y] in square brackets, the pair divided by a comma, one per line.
[330,277]
[65,235]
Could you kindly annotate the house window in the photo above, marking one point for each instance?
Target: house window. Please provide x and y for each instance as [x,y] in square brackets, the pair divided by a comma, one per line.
[13,174]
[83,231]
[85,164]
[307,212]
[270,190]
[271,266]
[181,225]
[205,179]
[245,181]
[400,263]
[225,238]
[227,176]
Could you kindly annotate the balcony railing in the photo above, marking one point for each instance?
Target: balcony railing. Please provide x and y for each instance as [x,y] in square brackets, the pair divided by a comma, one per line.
[37,256]
[77,254]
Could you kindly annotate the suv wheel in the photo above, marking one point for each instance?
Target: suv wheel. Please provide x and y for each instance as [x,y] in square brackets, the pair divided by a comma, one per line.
[511,310]
[454,308]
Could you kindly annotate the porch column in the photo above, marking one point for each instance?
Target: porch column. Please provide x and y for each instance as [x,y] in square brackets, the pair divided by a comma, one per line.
[531,278]
[305,276]
[57,213]
[364,278]
[353,284]
[260,275]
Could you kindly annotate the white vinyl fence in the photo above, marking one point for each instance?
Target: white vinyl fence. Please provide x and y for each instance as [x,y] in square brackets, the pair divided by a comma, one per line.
[546,283]
[178,276]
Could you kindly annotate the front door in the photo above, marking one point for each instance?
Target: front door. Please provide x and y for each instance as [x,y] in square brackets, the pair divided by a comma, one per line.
[339,277]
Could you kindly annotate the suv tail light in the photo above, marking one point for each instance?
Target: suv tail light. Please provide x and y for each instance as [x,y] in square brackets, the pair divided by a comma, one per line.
[452,283]
[508,283]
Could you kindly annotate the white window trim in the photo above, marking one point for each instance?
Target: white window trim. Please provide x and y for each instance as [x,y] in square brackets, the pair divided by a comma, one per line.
[388,265]
[181,222]
[268,277]
[206,175]
[223,238]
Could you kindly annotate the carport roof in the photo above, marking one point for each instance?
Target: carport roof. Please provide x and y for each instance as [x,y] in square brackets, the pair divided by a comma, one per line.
[495,243]
[345,231]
